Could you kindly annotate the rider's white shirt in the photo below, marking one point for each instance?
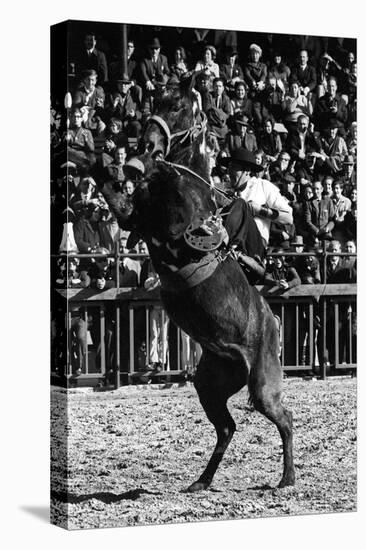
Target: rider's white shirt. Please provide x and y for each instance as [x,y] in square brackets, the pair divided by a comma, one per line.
[264,192]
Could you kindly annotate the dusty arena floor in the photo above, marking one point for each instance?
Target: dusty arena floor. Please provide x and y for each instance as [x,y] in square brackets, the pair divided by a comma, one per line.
[132,451]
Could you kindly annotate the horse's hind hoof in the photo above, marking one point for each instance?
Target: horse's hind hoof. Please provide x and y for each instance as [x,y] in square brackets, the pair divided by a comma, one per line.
[287,481]
[196,486]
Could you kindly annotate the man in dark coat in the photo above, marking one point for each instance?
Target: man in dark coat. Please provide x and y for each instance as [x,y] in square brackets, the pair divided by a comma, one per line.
[153,66]
[305,74]
[331,106]
[319,215]
[91,58]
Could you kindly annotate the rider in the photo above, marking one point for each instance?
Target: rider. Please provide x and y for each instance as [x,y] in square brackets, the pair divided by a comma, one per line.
[256,199]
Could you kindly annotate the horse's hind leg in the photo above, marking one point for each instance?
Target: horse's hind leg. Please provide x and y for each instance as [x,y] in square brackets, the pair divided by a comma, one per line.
[265,392]
[215,381]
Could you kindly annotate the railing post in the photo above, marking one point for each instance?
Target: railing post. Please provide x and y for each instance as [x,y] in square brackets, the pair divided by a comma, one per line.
[323,366]
[118,348]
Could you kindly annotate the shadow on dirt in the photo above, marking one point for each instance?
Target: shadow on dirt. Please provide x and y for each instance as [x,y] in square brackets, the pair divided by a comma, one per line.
[107,498]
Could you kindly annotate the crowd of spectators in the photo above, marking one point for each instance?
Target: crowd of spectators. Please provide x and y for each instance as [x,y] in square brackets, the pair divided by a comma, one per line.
[290,100]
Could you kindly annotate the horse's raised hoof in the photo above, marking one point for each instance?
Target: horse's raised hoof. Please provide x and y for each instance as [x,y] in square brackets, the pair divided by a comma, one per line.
[197,486]
[287,481]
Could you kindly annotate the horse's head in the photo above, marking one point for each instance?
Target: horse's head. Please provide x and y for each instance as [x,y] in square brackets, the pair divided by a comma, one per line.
[176,130]
[167,202]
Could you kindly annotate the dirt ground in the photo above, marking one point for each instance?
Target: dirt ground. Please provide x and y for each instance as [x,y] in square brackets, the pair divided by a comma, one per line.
[132,451]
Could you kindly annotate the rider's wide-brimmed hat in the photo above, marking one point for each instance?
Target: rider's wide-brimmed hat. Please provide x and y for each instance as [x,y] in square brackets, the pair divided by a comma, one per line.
[244,158]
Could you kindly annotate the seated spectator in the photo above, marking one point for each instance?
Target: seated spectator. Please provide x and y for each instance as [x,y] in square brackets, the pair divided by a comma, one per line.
[208,62]
[114,138]
[270,141]
[280,71]
[331,106]
[125,108]
[101,271]
[90,58]
[342,205]
[328,186]
[319,215]
[129,269]
[85,195]
[89,98]
[281,275]
[115,170]
[240,102]
[296,104]
[300,144]
[68,275]
[351,139]
[116,69]
[273,100]
[179,67]
[333,150]
[255,74]
[80,142]
[349,248]
[97,228]
[280,168]
[348,175]
[350,222]
[242,135]
[334,262]
[305,74]
[202,89]
[219,98]
[308,268]
[327,68]
[230,71]
[154,65]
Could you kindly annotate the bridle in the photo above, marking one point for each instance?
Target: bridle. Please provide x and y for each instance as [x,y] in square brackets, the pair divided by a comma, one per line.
[182,137]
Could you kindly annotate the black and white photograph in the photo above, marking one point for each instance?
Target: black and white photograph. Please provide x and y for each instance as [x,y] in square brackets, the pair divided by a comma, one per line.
[203,271]
[183,289]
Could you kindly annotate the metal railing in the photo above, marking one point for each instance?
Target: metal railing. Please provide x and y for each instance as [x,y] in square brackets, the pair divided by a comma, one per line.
[106,329]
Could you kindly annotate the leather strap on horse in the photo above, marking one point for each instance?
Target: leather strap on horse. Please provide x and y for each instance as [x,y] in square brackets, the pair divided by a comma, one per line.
[163,125]
[191,274]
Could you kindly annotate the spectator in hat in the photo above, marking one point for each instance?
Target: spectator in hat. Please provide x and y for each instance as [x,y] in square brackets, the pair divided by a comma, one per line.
[90,98]
[308,268]
[270,141]
[123,106]
[240,101]
[134,170]
[85,195]
[231,71]
[92,58]
[255,73]
[242,134]
[101,272]
[331,106]
[208,62]
[155,64]
[348,175]
[333,150]
[305,74]
[80,142]
[319,214]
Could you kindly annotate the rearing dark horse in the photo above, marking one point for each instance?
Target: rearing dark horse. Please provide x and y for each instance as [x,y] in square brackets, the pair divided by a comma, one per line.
[203,288]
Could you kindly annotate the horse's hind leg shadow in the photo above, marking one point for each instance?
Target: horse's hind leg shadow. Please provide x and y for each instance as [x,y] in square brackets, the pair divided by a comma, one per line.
[215,381]
[265,392]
